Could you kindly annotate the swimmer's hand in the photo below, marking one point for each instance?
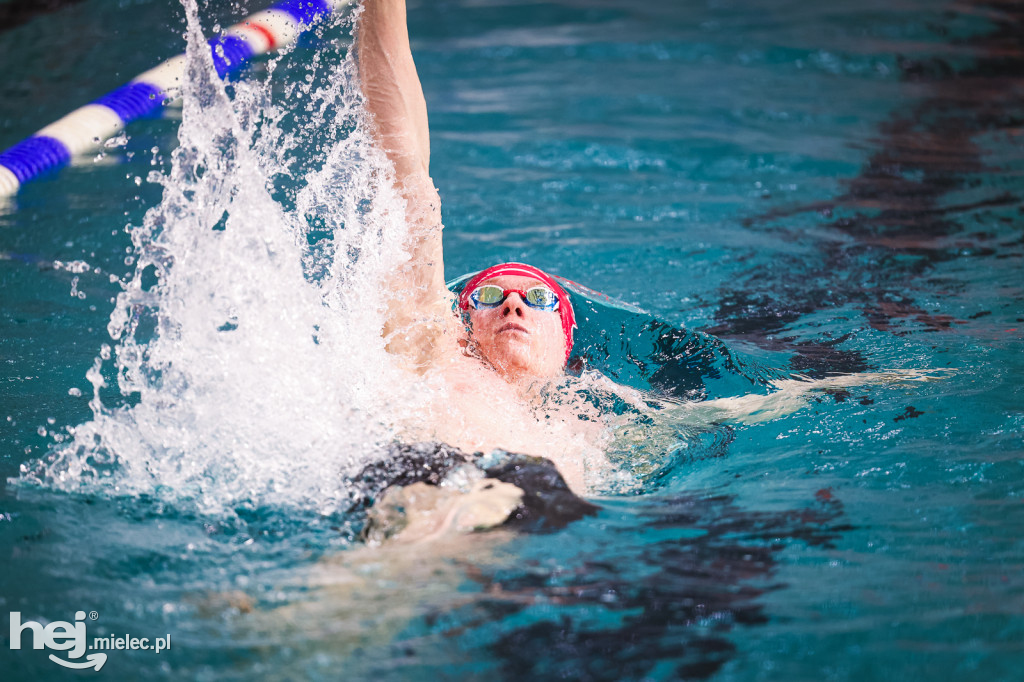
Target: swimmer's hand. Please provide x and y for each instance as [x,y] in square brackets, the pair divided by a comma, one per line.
[421,512]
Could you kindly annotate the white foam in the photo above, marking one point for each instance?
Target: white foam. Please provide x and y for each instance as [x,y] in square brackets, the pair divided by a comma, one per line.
[245,380]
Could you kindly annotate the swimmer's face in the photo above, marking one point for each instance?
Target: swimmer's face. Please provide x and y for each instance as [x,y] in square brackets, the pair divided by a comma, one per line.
[516,339]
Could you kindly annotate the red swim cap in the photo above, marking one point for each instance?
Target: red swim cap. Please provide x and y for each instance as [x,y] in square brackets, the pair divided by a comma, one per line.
[523,270]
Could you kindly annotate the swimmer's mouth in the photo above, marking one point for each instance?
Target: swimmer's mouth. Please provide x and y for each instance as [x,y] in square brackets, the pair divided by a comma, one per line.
[513,327]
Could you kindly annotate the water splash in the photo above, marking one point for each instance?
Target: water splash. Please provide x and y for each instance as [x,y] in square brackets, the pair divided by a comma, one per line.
[247,353]
[248,358]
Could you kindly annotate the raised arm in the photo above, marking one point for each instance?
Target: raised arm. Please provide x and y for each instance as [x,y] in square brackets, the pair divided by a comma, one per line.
[394,98]
[392,88]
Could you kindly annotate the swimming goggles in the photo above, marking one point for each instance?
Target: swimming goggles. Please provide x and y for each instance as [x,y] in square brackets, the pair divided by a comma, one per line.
[491,296]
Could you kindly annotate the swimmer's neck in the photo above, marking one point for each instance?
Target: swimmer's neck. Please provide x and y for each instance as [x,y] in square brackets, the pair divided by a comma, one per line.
[527,385]
[523,381]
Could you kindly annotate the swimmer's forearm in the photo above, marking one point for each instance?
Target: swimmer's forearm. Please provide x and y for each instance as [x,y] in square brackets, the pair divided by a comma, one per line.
[392,88]
[416,320]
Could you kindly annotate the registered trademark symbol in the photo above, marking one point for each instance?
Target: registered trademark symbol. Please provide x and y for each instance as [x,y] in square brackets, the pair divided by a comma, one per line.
[93,615]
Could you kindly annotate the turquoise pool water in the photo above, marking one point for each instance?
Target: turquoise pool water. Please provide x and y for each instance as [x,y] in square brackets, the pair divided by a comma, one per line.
[824,188]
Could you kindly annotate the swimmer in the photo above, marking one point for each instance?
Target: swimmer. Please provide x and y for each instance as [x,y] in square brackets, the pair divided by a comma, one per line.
[521,319]
[496,367]
[500,354]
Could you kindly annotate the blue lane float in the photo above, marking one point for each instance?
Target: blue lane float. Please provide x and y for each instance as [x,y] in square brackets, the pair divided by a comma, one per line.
[86,128]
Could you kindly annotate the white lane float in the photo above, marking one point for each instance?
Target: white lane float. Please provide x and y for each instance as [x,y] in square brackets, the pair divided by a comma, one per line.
[88,127]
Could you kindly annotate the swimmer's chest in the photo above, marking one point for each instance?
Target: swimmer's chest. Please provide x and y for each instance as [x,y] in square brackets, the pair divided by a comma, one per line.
[475,388]
[483,409]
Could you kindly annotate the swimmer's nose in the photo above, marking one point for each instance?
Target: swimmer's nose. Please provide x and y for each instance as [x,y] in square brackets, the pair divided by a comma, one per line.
[513,305]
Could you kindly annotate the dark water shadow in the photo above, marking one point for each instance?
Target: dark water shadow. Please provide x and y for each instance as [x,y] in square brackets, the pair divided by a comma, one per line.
[900,216]
[670,601]
[18,12]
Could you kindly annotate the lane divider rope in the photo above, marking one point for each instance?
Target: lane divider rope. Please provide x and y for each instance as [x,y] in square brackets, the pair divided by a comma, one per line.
[86,128]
